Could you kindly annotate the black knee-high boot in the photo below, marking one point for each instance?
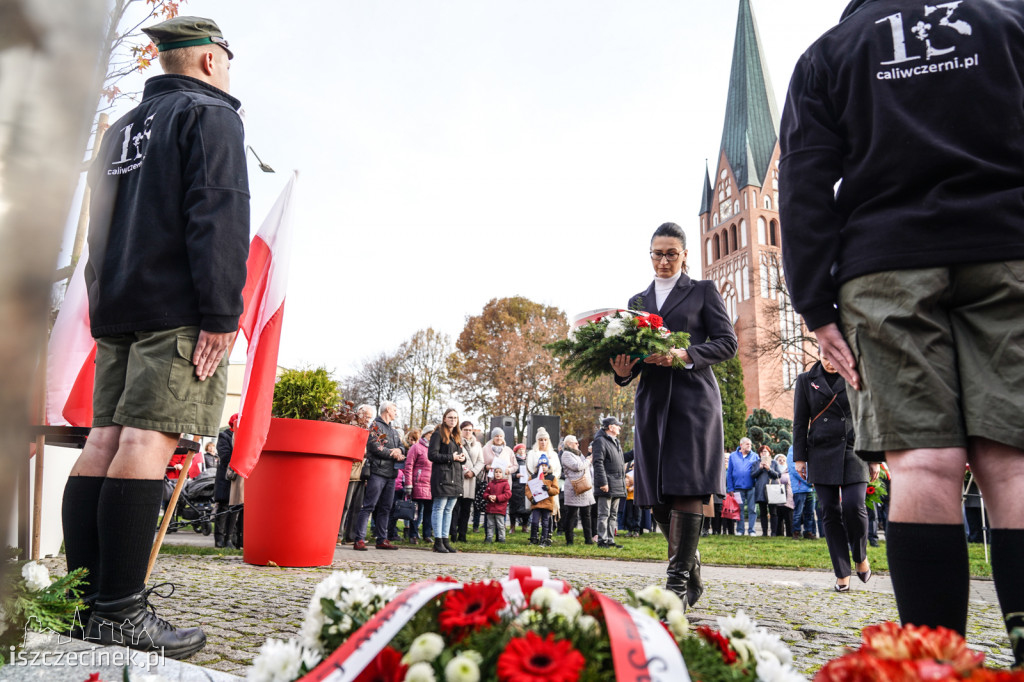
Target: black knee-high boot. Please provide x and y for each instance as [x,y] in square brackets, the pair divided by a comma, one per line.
[683,565]
[1007,567]
[914,550]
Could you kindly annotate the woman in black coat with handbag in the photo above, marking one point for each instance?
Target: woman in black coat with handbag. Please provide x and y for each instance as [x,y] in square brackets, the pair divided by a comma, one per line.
[823,454]
[679,443]
[767,472]
[447,454]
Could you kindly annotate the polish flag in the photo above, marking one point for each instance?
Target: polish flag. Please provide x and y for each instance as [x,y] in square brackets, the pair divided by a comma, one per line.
[264,293]
[70,356]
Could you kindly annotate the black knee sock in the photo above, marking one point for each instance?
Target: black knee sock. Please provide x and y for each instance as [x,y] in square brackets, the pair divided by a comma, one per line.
[78,517]
[930,573]
[127,524]
[1007,569]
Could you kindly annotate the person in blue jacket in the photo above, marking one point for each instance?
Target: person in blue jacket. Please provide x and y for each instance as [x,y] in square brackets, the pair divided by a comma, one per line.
[803,500]
[739,478]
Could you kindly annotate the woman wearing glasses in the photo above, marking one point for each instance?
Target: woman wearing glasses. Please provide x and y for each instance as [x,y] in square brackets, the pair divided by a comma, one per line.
[447,454]
[678,443]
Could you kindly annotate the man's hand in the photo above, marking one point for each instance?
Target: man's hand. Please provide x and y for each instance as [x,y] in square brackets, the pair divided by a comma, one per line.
[622,365]
[604,488]
[396,453]
[801,468]
[210,350]
[835,349]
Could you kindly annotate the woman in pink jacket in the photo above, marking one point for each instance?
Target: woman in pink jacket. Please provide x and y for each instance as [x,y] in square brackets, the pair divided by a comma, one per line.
[417,484]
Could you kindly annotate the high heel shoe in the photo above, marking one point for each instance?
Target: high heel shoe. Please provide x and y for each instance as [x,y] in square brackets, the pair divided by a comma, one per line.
[864,575]
[842,588]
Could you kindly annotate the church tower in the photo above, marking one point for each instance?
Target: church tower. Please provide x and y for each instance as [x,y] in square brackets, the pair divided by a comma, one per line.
[739,227]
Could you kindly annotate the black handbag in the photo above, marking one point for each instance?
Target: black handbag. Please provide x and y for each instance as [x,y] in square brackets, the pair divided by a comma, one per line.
[404,510]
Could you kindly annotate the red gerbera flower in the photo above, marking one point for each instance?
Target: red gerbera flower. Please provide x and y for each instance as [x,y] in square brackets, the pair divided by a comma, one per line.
[445,579]
[717,639]
[871,490]
[473,607]
[386,667]
[533,659]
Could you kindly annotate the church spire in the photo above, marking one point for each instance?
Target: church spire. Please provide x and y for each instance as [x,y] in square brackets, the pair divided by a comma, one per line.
[751,115]
[708,196]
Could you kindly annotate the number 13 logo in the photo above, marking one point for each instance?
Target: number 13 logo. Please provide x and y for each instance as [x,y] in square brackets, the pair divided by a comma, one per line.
[922,31]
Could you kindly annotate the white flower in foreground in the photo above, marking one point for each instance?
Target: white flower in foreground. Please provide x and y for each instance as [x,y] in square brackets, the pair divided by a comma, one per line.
[770,670]
[567,606]
[527,617]
[474,656]
[36,576]
[277,662]
[542,597]
[744,648]
[770,644]
[426,647]
[738,626]
[462,669]
[614,328]
[660,598]
[384,593]
[310,658]
[420,672]
[587,624]
[678,623]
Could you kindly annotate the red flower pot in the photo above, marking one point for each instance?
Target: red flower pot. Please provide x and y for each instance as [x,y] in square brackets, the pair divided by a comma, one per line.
[295,495]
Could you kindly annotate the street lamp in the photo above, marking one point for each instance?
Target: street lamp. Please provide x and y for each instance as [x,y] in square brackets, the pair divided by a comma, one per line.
[263,167]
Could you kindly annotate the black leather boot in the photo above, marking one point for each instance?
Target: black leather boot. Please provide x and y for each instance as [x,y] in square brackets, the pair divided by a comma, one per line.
[81,617]
[1015,628]
[230,519]
[439,546]
[448,545]
[683,565]
[131,622]
[236,536]
[219,524]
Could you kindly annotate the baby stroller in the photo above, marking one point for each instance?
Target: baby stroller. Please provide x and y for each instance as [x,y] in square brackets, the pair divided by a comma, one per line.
[195,504]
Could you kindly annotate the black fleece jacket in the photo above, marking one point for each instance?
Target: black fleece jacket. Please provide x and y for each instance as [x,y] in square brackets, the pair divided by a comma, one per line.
[169,227]
[917,111]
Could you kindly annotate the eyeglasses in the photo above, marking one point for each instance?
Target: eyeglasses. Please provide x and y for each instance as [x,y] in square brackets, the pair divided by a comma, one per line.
[671,256]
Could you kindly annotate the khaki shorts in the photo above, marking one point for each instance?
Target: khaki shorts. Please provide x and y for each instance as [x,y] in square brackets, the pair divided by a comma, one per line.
[940,353]
[146,380]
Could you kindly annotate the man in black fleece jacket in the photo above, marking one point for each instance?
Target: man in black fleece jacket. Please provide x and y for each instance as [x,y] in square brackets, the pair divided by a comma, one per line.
[902,172]
[168,242]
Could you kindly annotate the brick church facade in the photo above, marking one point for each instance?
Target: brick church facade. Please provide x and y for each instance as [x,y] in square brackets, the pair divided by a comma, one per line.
[740,238]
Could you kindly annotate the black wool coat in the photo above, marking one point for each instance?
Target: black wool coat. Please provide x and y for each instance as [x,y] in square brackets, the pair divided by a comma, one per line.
[679,442]
[446,474]
[827,444]
[225,446]
[609,466]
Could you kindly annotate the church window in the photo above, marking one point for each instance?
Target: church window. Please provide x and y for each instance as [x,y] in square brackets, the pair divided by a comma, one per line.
[714,220]
[792,342]
[762,227]
[725,242]
[732,235]
[774,233]
[743,234]
[707,248]
[735,207]
[764,279]
[746,283]
[723,174]
[768,203]
[718,249]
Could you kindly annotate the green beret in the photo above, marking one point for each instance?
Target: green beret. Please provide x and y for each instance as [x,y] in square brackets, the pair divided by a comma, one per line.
[187,32]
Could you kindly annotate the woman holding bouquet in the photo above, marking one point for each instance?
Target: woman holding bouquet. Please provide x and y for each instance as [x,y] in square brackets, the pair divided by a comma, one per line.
[679,442]
[447,456]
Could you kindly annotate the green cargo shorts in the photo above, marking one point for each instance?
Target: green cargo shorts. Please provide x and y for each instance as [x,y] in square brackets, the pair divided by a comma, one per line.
[940,353]
[146,380]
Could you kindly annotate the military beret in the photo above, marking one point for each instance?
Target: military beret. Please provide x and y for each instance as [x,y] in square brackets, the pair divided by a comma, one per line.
[187,32]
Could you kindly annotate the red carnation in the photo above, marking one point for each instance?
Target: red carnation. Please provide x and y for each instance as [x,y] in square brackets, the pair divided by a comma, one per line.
[871,490]
[718,639]
[472,608]
[532,659]
[386,667]
[656,321]
[590,603]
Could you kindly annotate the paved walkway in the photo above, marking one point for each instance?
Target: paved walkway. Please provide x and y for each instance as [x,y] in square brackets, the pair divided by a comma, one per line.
[239,605]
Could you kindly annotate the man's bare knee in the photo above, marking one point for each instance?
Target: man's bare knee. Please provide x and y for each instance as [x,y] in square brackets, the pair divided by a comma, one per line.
[143,454]
[999,471]
[927,485]
[99,451]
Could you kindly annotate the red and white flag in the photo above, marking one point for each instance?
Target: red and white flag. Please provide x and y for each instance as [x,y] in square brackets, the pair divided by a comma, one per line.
[264,293]
[70,356]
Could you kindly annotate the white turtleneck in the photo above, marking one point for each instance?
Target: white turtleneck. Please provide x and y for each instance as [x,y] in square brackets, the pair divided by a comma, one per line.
[663,285]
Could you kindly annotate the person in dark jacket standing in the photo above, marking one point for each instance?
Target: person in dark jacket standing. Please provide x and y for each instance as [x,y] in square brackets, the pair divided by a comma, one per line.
[739,478]
[224,521]
[168,242]
[609,480]
[448,455]
[904,252]
[386,457]
[765,473]
[679,440]
[823,440]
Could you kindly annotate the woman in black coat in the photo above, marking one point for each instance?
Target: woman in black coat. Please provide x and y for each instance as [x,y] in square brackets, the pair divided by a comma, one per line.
[767,472]
[823,454]
[446,454]
[679,442]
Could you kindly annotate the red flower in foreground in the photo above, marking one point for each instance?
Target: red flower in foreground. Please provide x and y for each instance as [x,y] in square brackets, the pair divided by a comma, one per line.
[387,667]
[445,579]
[871,490]
[916,643]
[656,321]
[986,675]
[717,639]
[858,667]
[591,605]
[532,659]
[472,608]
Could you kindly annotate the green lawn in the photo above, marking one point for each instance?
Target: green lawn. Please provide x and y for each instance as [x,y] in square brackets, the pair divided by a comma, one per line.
[715,550]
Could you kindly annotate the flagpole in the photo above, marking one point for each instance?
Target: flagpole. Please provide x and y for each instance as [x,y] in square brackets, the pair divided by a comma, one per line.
[168,513]
[37,500]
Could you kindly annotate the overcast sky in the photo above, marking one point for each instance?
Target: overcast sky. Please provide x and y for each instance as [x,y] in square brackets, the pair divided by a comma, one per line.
[454,151]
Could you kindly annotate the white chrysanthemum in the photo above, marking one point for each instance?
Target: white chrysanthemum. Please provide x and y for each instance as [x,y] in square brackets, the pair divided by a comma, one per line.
[426,647]
[587,624]
[473,655]
[660,598]
[311,658]
[527,617]
[744,648]
[769,669]
[614,328]
[36,576]
[277,662]
[769,643]
[678,623]
[567,606]
[462,669]
[542,597]
[738,626]
[420,672]
[348,589]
